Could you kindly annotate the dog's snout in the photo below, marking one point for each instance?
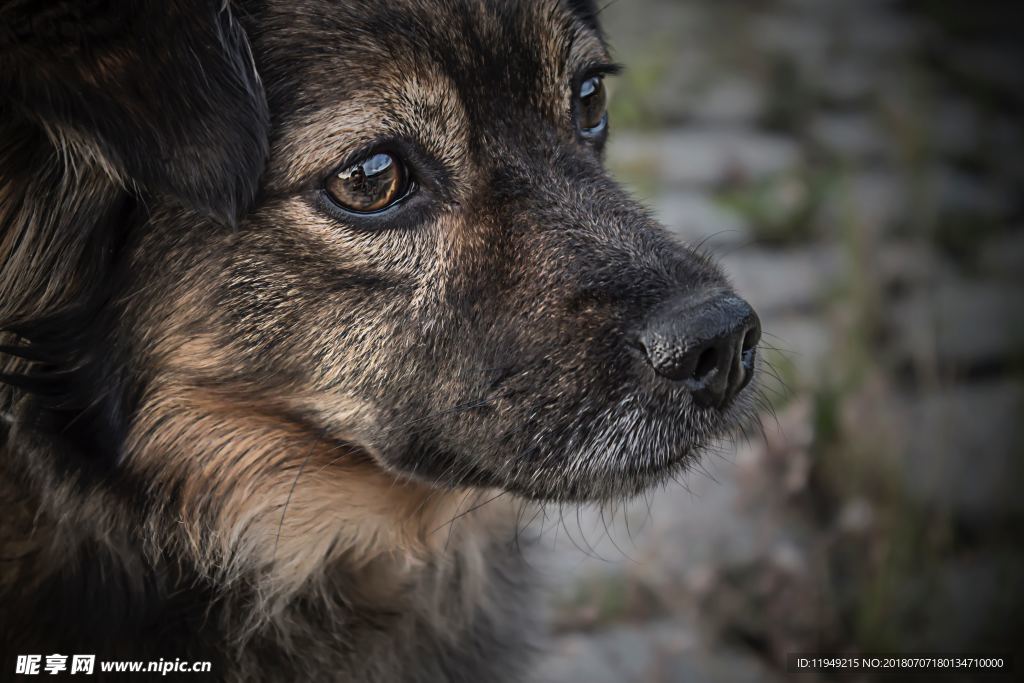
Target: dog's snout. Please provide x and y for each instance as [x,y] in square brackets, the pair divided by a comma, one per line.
[706,343]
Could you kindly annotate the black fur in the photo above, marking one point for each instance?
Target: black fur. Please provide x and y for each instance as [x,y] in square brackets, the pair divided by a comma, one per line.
[123,75]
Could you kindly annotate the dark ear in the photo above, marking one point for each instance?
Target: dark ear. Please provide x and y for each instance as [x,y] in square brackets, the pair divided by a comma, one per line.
[162,93]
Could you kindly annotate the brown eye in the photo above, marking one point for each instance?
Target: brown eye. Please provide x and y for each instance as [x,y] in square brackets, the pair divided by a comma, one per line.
[593,106]
[373,184]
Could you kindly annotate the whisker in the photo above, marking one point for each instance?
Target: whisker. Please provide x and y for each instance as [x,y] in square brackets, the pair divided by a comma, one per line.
[288,501]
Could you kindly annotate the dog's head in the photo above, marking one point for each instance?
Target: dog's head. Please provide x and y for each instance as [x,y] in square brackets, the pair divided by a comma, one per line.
[433,274]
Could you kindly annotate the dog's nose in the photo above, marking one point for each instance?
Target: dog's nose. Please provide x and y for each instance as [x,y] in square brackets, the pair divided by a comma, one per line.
[707,343]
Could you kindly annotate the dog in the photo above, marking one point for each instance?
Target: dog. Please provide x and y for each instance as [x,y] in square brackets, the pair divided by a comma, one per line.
[302,303]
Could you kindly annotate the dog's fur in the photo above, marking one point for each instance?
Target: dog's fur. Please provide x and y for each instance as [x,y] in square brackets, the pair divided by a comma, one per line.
[239,427]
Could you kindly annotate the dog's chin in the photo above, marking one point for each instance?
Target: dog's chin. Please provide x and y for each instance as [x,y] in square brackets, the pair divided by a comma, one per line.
[616,459]
[625,461]
[577,485]
[584,477]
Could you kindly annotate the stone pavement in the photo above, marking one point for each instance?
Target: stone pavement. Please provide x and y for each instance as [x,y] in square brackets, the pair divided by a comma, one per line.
[854,165]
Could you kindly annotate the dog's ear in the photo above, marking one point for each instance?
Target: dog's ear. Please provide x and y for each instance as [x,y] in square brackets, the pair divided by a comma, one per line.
[163,94]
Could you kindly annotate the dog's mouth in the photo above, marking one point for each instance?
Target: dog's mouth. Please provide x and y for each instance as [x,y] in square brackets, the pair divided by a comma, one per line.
[646,416]
[628,453]
[591,448]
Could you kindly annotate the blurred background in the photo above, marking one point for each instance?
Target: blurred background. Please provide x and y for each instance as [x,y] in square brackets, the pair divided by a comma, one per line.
[857,166]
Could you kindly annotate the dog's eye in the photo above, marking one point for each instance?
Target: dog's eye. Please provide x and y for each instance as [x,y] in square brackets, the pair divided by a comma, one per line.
[371,185]
[593,106]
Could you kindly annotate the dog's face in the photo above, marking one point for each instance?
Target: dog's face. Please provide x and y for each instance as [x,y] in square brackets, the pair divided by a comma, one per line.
[434,280]
[437,270]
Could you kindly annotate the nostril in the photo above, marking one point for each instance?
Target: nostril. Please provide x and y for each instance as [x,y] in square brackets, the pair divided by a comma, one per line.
[706,343]
[750,340]
[748,348]
[706,362]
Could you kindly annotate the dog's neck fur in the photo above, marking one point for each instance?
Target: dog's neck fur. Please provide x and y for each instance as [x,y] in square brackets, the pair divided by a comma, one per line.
[77,579]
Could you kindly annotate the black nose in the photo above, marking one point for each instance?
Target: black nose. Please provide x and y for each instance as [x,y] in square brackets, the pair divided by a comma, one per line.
[707,343]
